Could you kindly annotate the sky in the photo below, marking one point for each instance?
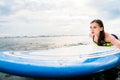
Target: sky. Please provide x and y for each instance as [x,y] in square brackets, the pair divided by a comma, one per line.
[57,17]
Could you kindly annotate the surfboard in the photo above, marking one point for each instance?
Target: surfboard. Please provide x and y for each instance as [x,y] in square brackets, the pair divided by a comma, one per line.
[60,62]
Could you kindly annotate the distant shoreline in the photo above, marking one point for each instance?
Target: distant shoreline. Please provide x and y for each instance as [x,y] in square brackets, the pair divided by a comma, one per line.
[38,36]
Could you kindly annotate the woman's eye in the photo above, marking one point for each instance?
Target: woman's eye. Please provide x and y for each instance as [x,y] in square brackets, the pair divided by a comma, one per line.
[94,27]
[90,27]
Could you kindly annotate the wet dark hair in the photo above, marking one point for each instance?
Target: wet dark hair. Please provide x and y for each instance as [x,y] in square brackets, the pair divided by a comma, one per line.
[101,39]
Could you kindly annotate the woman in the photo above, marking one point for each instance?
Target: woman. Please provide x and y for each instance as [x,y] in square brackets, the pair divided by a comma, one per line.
[102,38]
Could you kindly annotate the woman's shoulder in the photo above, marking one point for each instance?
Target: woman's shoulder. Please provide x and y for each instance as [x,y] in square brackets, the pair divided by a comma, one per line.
[108,37]
[107,34]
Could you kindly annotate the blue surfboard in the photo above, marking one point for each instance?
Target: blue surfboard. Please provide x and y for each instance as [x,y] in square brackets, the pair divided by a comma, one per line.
[60,62]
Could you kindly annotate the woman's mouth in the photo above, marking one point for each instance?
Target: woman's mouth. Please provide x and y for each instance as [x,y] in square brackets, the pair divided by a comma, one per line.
[92,32]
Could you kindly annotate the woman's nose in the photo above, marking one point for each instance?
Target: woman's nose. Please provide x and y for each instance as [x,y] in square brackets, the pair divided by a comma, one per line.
[91,29]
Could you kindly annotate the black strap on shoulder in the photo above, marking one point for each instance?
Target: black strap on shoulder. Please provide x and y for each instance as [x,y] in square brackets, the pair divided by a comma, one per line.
[114,36]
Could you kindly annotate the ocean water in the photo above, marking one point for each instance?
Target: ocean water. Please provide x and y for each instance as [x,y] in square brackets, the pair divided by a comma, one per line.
[38,43]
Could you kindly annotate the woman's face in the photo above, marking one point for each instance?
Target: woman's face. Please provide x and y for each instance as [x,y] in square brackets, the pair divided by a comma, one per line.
[95,28]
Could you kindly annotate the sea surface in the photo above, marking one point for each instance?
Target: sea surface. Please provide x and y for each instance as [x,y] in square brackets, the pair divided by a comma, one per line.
[28,43]
[40,43]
